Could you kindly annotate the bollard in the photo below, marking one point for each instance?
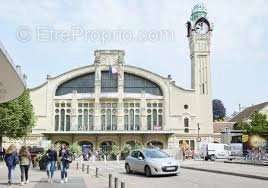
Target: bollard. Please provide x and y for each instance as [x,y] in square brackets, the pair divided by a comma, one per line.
[87,169]
[97,172]
[83,167]
[110,180]
[115,182]
[105,159]
[123,185]
[77,165]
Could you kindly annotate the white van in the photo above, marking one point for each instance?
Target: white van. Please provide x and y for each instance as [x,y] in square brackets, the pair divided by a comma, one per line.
[215,151]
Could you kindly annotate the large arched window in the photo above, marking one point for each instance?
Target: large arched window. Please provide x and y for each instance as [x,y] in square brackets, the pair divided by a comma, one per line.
[137,84]
[82,84]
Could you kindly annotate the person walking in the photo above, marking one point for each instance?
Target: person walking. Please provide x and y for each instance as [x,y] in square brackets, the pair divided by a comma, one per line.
[51,163]
[25,161]
[11,159]
[66,159]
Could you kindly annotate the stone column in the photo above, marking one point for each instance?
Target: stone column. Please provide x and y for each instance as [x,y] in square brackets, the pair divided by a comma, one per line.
[120,113]
[74,110]
[143,112]
[97,112]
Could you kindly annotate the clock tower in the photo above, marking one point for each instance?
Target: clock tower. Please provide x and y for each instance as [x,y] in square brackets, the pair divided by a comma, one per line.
[199,33]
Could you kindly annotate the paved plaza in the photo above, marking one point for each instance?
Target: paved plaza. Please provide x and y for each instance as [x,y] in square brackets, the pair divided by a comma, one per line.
[187,178]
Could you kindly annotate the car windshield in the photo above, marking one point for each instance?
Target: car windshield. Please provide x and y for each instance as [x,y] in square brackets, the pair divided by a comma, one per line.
[155,154]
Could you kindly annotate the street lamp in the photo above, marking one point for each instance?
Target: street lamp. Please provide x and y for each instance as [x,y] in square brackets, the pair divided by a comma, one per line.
[198,129]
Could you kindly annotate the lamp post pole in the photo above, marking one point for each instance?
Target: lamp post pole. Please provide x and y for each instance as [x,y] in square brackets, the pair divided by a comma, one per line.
[198,140]
[198,129]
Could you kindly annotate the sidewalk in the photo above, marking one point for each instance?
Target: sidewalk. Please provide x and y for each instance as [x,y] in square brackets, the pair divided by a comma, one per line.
[38,179]
[249,171]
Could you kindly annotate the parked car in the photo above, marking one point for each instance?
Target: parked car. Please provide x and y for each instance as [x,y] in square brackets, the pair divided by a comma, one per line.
[35,151]
[151,162]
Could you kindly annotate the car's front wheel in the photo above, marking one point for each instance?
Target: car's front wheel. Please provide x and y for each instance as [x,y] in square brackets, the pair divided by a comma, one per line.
[147,171]
[128,169]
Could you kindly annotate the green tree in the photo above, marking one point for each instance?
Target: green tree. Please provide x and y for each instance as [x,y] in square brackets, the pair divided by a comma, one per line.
[219,111]
[16,117]
[257,124]
[76,148]
[115,151]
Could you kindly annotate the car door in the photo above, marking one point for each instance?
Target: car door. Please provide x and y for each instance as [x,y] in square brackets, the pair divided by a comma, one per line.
[133,160]
[140,163]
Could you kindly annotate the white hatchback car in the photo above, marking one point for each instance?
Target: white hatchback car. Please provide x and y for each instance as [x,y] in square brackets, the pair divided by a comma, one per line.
[151,162]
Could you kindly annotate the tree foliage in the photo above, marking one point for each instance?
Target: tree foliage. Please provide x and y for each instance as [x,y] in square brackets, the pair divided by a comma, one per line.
[256,124]
[219,111]
[16,117]
[76,148]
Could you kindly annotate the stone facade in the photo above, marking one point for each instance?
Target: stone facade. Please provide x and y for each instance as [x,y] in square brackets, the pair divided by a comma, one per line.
[164,112]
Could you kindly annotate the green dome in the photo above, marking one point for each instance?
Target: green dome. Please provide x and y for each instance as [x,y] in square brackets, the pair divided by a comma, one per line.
[198,11]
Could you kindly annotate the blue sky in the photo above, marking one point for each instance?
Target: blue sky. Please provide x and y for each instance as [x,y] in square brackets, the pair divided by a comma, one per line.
[239,54]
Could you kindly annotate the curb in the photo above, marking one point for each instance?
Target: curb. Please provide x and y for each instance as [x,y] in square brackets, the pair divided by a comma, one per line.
[227,173]
[247,163]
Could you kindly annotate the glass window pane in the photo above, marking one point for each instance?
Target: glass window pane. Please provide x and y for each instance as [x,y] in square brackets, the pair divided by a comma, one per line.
[85,120]
[160,120]
[103,122]
[90,118]
[62,117]
[109,119]
[126,122]
[186,130]
[131,119]
[149,122]
[114,122]
[137,122]
[56,122]
[154,118]
[80,122]
[68,123]
[186,122]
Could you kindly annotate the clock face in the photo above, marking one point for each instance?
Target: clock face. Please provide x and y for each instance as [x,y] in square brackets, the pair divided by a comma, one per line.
[201,27]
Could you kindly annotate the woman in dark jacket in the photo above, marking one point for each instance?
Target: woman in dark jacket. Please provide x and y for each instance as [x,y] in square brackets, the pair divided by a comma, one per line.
[11,159]
[51,163]
[66,158]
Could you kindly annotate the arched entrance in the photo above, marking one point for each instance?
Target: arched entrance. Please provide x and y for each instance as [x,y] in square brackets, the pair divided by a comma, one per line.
[86,143]
[156,144]
[106,147]
[87,149]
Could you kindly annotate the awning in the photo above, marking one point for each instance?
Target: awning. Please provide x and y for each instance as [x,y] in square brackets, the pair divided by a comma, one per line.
[11,81]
